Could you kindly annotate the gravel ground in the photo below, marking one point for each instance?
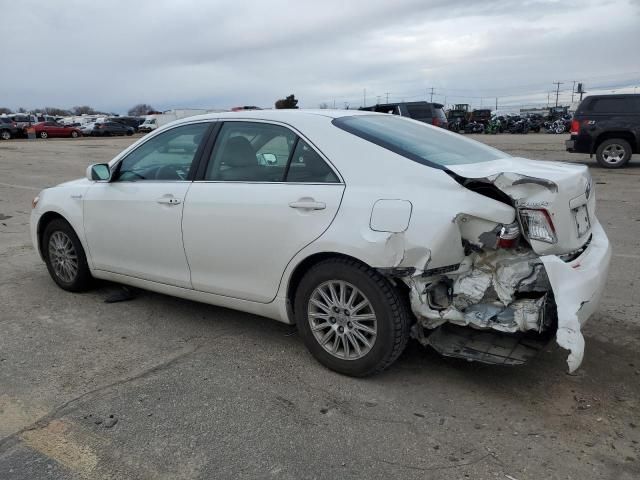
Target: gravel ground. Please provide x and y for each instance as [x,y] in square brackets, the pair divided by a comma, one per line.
[165,388]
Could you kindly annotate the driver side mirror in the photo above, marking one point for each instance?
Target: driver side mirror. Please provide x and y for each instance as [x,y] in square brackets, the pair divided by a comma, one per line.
[98,172]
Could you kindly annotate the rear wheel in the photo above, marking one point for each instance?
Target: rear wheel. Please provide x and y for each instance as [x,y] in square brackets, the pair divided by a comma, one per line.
[613,153]
[350,317]
[43,134]
[74,134]
[65,257]
[5,135]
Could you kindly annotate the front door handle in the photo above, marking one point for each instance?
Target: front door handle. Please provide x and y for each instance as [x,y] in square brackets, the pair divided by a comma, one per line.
[308,204]
[169,200]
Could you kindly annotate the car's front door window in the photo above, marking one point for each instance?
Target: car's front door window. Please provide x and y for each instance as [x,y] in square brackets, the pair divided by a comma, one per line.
[168,156]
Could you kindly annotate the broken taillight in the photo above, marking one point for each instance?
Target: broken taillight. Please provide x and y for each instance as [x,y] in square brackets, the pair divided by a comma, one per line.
[509,235]
[537,224]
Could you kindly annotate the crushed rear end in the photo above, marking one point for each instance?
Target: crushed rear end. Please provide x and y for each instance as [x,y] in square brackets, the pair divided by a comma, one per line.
[518,282]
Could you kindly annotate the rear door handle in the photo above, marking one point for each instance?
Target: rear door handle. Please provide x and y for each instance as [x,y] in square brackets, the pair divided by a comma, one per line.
[169,200]
[308,204]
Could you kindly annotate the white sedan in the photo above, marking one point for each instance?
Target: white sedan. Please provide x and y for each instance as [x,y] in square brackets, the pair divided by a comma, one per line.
[362,229]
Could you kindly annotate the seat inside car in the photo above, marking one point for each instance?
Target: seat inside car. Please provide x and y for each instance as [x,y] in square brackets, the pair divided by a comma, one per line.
[238,160]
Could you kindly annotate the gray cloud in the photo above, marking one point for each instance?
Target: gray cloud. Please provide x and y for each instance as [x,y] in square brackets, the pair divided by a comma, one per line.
[224,53]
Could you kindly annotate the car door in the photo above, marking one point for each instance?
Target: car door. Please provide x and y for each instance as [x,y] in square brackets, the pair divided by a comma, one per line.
[264,195]
[133,222]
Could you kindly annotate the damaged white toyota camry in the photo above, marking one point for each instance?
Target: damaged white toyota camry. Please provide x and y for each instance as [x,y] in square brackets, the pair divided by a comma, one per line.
[363,229]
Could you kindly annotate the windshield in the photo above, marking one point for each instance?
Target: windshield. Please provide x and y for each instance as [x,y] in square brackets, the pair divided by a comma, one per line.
[419,142]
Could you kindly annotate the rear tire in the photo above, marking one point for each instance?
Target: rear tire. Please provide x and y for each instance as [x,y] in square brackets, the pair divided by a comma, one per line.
[5,135]
[74,134]
[65,257]
[44,135]
[369,338]
[613,153]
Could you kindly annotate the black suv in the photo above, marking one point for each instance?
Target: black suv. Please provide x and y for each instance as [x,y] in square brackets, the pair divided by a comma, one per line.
[431,113]
[609,126]
[8,128]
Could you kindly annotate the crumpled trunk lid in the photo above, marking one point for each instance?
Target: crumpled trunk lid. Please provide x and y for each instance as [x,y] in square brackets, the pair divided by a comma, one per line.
[564,190]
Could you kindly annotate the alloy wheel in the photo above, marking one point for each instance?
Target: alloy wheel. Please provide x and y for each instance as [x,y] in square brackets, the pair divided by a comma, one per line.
[342,320]
[63,257]
[613,153]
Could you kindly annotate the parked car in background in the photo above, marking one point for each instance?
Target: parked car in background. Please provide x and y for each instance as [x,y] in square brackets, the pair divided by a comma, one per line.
[363,229]
[23,120]
[609,126]
[108,129]
[148,125]
[87,128]
[53,129]
[481,115]
[431,113]
[8,128]
[133,122]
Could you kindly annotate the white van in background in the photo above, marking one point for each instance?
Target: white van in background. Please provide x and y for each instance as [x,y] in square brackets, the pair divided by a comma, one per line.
[151,122]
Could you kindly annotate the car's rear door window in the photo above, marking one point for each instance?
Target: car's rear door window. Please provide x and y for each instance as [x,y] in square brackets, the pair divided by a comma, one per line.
[250,152]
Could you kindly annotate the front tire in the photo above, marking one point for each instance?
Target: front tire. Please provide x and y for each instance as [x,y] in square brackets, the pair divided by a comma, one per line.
[44,135]
[5,135]
[350,317]
[613,153]
[74,134]
[65,257]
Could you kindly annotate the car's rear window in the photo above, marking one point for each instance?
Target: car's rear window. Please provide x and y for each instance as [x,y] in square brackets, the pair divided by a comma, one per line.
[419,111]
[419,142]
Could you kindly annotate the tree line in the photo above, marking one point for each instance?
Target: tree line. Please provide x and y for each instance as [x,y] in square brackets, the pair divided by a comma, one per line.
[138,110]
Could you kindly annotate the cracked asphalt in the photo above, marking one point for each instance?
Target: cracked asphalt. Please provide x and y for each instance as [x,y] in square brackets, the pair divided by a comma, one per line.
[164,388]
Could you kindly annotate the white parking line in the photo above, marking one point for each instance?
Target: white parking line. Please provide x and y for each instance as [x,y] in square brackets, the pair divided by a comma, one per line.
[20,186]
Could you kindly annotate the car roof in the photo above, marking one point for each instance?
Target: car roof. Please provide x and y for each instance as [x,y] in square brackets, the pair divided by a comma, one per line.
[283,115]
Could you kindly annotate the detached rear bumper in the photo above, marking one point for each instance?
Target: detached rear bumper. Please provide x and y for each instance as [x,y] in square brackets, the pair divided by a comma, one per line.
[577,288]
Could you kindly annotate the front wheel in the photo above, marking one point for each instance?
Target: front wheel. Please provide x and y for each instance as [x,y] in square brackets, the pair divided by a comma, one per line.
[65,257]
[74,134]
[613,153]
[5,135]
[350,317]
[44,134]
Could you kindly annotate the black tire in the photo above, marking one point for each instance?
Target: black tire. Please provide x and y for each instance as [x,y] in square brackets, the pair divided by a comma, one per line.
[390,309]
[74,134]
[5,135]
[623,149]
[83,280]
[44,134]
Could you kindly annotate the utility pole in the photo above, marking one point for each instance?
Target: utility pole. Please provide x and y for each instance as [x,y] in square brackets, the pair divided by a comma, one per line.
[431,95]
[364,98]
[334,103]
[548,99]
[557,84]
[496,103]
[573,90]
[387,94]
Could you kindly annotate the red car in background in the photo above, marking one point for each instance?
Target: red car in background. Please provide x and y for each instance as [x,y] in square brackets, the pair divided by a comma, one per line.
[53,129]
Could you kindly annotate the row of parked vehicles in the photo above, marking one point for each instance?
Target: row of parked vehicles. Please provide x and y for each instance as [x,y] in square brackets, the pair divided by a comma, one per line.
[45,126]
[482,120]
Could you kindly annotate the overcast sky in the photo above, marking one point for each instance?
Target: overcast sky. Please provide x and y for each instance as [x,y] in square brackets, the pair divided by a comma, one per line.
[218,53]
